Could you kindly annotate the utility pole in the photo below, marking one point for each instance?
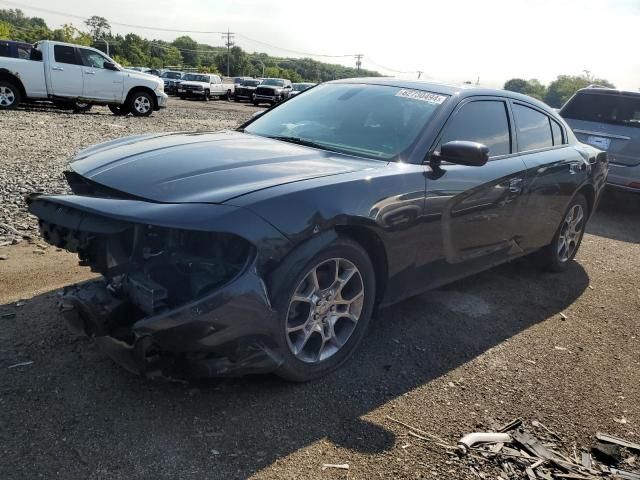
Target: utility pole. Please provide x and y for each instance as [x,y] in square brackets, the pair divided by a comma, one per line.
[420,72]
[228,43]
[358,58]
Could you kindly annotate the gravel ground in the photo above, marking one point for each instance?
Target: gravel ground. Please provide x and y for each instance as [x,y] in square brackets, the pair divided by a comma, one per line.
[469,356]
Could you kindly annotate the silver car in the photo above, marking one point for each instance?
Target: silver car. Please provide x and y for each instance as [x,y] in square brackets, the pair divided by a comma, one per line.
[609,120]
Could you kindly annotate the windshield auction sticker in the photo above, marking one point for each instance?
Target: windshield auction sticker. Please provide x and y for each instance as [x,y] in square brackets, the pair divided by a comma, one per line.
[422,96]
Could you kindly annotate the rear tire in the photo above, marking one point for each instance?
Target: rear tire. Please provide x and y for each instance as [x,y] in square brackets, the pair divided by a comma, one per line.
[318,334]
[10,96]
[183,97]
[565,244]
[81,107]
[141,104]
[119,110]
[256,103]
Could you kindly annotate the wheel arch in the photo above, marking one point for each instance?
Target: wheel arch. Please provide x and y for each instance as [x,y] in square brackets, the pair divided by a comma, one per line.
[589,193]
[8,76]
[137,88]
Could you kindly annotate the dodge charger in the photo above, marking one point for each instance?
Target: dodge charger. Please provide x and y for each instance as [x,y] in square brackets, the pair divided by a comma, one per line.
[269,247]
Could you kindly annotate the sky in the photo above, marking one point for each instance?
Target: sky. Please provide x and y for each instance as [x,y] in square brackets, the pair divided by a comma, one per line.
[449,40]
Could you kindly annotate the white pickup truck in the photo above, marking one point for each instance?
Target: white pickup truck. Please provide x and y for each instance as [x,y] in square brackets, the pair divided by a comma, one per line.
[73,74]
[205,86]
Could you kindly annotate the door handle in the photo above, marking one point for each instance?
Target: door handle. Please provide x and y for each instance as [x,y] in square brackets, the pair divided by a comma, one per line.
[515,185]
[60,69]
[90,72]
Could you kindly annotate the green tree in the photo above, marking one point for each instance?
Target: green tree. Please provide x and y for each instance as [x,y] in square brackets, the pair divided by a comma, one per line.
[532,87]
[563,87]
[187,45]
[98,27]
[5,30]
[70,34]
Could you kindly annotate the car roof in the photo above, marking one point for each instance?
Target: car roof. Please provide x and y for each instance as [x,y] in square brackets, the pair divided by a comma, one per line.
[598,90]
[445,89]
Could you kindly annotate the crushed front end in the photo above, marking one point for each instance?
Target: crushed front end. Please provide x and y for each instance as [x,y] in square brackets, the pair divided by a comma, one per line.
[182,300]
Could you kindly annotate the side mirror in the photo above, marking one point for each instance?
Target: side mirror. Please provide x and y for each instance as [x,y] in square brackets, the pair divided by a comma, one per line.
[110,66]
[462,152]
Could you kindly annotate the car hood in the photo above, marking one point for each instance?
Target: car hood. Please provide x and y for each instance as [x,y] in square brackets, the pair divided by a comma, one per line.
[206,167]
[144,77]
[193,83]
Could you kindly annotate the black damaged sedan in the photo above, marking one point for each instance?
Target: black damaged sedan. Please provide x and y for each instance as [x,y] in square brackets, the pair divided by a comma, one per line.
[267,248]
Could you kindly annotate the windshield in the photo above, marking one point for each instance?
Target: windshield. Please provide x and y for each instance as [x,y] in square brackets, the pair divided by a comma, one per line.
[613,109]
[373,121]
[251,83]
[273,81]
[194,77]
[172,75]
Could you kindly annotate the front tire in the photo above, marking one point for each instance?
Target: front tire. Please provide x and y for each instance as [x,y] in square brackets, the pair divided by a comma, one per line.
[558,254]
[324,311]
[141,104]
[10,96]
[207,95]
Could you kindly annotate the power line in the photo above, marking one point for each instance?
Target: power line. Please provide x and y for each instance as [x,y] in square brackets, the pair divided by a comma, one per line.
[228,35]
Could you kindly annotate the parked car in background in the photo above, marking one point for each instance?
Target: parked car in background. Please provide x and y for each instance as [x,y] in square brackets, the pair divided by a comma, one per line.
[238,80]
[171,79]
[300,87]
[204,86]
[609,120]
[267,249]
[272,91]
[246,90]
[74,74]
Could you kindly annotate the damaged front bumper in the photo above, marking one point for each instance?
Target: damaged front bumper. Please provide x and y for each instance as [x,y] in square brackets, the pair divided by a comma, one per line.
[225,333]
[182,291]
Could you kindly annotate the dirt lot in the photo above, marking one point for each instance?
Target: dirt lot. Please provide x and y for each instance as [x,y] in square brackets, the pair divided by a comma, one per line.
[469,356]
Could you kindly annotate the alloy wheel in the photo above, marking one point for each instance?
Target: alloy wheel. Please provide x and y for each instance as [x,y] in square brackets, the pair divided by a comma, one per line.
[142,104]
[324,310]
[570,232]
[7,97]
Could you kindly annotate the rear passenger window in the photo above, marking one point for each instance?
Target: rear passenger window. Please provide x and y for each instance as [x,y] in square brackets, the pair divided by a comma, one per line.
[64,54]
[534,130]
[4,49]
[483,121]
[557,133]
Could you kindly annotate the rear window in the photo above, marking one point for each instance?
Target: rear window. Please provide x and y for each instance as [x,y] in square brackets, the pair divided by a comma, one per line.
[4,49]
[64,54]
[612,109]
[534,129]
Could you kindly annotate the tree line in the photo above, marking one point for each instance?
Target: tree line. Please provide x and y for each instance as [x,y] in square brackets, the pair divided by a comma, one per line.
[183,52]
[557,92]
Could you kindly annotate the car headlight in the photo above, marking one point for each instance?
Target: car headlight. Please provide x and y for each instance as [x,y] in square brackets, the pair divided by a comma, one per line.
[160,87]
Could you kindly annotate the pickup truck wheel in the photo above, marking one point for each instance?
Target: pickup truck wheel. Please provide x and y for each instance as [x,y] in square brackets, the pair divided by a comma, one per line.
[236,99]
[227,96]
[119,110]
[81,107]
[9,96]
[141,104]
[207,95]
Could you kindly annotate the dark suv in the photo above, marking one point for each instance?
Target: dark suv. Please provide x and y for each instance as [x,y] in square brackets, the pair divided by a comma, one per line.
[609,120]
[272,91]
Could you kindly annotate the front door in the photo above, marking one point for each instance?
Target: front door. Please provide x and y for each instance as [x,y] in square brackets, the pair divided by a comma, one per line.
[66,72]
[99,82]
[472,212]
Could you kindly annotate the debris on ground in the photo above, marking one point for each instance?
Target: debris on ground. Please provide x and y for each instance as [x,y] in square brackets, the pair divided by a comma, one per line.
[21,364]
[340,466]
[539,453]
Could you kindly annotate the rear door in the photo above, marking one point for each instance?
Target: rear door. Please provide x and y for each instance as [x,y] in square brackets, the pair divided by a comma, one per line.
[100,83]
[478,207]
[555,171]
[65,70]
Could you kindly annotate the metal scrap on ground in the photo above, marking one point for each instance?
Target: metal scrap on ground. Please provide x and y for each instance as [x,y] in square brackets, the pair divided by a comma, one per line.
[539,453]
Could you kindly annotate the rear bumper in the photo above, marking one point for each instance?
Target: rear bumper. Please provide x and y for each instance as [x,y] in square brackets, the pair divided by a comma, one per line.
[624,177]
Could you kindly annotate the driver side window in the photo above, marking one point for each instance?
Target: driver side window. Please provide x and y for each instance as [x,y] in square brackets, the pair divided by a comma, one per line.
[92,59]
[482,121]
